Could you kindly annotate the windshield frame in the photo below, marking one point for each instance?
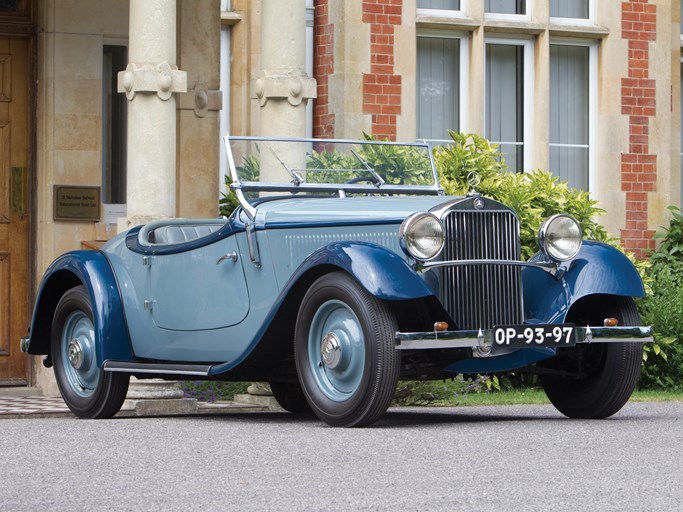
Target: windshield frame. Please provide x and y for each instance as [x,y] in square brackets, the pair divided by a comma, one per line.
[239,186]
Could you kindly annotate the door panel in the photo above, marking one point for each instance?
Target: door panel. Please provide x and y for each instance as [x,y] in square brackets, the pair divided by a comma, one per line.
[14,197]
[199,289]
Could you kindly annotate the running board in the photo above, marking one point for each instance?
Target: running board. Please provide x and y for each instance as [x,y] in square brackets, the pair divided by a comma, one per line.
[198,370]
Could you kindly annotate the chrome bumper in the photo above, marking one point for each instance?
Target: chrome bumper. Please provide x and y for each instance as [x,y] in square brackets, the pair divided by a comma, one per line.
[483,339]
[24,344]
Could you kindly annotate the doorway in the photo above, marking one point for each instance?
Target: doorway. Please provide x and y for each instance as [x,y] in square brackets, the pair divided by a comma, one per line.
[15,62]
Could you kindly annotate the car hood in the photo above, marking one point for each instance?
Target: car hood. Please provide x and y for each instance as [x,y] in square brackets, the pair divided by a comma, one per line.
[348,209]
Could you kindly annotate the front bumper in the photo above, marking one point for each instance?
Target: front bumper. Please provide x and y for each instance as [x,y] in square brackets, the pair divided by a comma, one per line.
[482,340]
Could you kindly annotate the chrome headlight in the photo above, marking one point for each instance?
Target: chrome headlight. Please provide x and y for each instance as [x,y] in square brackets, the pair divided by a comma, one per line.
[560,237]
[421,236]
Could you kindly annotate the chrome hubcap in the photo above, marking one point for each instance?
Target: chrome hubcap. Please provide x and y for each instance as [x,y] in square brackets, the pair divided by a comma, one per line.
[330,350]
[75,354]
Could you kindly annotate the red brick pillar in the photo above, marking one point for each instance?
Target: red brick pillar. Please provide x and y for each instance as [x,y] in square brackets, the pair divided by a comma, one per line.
[381,87]
[638,166]
[323,67]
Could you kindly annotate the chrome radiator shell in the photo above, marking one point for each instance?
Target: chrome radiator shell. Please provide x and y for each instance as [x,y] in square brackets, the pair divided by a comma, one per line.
[479,295]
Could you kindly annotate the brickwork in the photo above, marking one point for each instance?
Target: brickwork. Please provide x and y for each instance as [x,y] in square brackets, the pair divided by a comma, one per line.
[638,166]
[323,67]
[381,87]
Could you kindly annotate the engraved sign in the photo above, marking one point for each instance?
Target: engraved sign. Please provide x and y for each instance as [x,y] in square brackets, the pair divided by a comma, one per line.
[76,203]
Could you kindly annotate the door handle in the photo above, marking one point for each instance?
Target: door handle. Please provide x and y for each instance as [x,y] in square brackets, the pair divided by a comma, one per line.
[230,256]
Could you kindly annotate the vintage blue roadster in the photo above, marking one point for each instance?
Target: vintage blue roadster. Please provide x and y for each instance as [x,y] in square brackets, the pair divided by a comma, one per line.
[343,269]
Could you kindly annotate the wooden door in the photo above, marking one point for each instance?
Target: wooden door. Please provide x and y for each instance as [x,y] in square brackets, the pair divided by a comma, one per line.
[14,207]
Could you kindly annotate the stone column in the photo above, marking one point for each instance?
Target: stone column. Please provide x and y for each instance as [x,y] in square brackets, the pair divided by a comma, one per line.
[150,82]
[282,89]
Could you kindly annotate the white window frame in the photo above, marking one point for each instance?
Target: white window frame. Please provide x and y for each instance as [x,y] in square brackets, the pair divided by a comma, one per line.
[443,13]
[592,46]
[528,94]
[463,71]
[499,16]
[590,21]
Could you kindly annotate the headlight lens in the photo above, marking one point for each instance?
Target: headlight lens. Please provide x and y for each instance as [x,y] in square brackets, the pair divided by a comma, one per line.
[421,236]
[560,237]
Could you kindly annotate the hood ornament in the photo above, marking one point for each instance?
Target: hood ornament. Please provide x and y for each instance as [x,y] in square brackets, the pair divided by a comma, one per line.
[473,180]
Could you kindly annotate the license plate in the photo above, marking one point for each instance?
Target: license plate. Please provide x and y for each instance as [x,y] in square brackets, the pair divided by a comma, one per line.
[547,335]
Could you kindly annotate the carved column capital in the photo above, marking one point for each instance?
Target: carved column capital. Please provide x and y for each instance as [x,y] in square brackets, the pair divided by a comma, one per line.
[162,79]
[294,86]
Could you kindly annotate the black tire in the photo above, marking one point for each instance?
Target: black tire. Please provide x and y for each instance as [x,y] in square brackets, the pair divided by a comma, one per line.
[611,374]
[352,386]
[290,397]
[87,390]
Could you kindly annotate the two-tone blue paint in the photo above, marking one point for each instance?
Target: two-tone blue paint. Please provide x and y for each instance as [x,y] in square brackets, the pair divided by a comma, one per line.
[225,332]
[93,270]
[597,269]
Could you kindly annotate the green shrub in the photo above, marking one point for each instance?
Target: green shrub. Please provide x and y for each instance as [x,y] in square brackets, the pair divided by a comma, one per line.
[211,390]
[663,307]
[534,196]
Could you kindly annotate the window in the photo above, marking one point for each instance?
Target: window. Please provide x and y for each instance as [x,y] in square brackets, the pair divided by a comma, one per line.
[114,109]
[509,82]
[506,6]
[438,87]
[579,9]
[570,123]
[441,5]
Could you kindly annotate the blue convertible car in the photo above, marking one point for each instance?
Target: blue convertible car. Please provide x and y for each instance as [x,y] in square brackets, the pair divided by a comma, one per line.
[343,269]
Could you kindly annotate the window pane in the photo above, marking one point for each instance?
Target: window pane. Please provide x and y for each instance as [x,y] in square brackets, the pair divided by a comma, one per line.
[445,5]
[506,6]
[505,101]
[438,87]
[569,9]
[114,105]
[569,116]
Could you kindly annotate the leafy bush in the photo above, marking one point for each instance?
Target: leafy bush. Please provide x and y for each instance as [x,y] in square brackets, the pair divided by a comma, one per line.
[534,196]
[663,307]
[419,392]
[211,390]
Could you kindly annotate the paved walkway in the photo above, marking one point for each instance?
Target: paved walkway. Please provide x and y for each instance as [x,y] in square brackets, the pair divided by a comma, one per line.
[43,407]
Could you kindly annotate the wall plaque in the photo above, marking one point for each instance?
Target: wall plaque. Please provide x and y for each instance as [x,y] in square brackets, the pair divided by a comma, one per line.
[76,203]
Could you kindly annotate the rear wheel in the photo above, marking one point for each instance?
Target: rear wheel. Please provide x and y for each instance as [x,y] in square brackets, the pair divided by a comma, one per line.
[345,352]
[609,371]
[87,390]
[290,396]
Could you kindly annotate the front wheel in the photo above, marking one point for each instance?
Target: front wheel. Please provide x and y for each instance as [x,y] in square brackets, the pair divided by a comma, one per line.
[609,372]
[345,352]
[87,390]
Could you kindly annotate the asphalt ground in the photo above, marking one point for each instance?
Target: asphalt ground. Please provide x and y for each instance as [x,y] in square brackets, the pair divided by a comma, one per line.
[465,458]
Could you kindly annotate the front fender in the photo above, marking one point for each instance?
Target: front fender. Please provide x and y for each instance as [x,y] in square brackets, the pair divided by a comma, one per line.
[597,269]
[92,269]
[380,271]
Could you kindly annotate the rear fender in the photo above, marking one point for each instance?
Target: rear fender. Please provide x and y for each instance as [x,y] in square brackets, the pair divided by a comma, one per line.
[91,269]
[598,269]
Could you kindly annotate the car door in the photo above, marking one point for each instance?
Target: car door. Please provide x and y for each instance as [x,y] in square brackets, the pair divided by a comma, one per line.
[199,289]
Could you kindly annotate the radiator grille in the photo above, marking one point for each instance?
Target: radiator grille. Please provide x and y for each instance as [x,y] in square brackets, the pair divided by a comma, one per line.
[481,296]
